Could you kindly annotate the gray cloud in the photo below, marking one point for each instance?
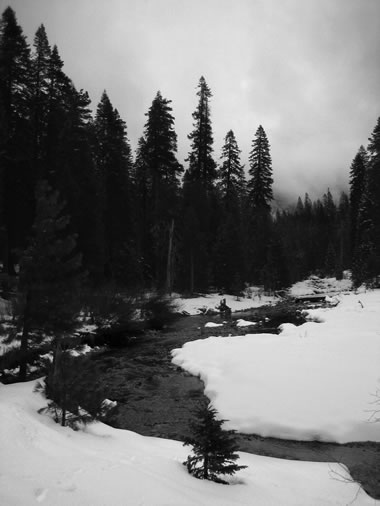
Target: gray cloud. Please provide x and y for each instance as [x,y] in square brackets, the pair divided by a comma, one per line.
[307,70]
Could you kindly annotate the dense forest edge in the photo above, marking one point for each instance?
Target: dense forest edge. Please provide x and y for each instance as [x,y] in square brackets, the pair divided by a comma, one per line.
[87,224]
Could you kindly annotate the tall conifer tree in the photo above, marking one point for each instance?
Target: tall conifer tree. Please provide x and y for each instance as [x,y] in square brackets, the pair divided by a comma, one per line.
[161,171]
[50,277]
[357,184]
[366,261]
[231,178]
[202,166]
[200,200]
[16,179]
[260,195]
[114,166]
[228,255]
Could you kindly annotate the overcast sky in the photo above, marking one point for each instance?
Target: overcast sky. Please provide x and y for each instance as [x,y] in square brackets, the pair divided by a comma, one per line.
[307,70]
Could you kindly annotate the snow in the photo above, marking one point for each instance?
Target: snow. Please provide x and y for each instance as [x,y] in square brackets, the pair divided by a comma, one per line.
[43,463]
[254,295]
[317,381]
[213,324]
[81,350]
[245,323]
[316,285]
[205,303]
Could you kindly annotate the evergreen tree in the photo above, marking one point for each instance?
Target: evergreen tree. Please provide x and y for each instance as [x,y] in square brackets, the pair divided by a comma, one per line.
[228,255]
[366,258]
[260,191]
[200,202]
[161,143]
[231,177]
[114,168]
[363,261]
[75,175]
[373,149]
[357,184]
[40,83]
[214,449]
[75,394]
[259,198]
[143,191]
[16,180]
[202,166]
[343,236]
[300,209]
[50,278]
[275,275]
[161,171]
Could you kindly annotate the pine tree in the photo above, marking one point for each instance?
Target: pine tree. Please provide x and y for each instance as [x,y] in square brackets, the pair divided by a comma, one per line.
[366,258]
[363,261]
[50,277]
[228,254]
[114,167]
[161,143]
[40,82]
[260,191]
[75,394]
[275,275]
[357,183]
[16,180]
[343,236]
[259,198]
[300,209]
[199,195]
[214,449]
[231,179]
[202,166]
[373,149]
[162,170]
[142,180]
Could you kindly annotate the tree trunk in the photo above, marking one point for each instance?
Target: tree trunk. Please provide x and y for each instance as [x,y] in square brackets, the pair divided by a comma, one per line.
[63,421]
[191,273]
[57,357]
[25,338]
[205,467]
[169,265]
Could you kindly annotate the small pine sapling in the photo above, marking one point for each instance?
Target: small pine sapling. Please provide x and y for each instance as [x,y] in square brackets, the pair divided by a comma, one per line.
[76,397]
[213,449]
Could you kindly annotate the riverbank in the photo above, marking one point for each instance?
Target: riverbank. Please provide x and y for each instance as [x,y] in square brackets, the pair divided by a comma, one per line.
[156,398]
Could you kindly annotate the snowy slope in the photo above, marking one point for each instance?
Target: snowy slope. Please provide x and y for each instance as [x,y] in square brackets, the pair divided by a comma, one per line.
[315,381]
[42,463]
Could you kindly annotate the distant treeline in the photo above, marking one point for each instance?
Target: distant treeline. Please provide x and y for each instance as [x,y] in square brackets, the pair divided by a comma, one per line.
[145,221]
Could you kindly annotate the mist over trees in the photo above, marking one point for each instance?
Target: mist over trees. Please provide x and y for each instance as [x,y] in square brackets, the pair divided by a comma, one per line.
[142,220]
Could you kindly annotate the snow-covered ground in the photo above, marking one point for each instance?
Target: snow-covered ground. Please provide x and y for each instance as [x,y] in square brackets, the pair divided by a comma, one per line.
[43,463]
[254,296]
[205,303]
[315,381]
[316,285]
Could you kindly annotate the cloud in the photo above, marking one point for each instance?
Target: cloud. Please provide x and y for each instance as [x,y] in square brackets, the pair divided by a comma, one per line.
[306,70]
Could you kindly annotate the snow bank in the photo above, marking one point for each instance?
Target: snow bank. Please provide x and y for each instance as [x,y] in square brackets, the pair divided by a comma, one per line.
[312,382]
[205,303]
[44,463]
[316,285]
[245,323]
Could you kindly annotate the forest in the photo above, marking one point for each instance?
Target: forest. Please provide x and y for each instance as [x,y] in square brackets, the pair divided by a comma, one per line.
[79,209]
